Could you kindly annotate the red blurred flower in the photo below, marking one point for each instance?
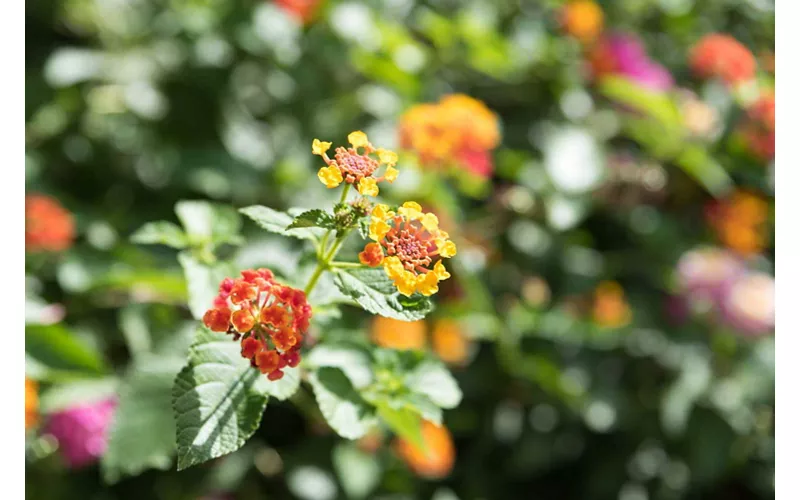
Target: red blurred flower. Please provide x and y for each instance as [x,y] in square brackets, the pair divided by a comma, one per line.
[722,56]
[304,10]
[48,226]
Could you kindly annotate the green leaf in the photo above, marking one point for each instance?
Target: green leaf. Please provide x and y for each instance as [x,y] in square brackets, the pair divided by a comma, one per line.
[432,379]
[405,422]
[278,222]
[354,362]
[656,105]
[216,400]
[376,293]
[284,388]
[52,349]
[142,434]
[359,472]
[202,281]
[342,406]
[699,164]
[161,233]
[423,405]
[209,222]
[313,218]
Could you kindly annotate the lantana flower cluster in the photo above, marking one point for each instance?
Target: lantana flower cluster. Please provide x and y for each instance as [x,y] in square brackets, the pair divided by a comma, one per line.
[49,227]
[410,246]
[356,165]
[625,55]
[458,130]
[722,56]
[269,318]
[740,222]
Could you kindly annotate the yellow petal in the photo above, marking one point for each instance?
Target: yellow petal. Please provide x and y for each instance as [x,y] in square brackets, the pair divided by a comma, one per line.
[387,157]
[427,284]
[391,174]
[380,211]
[447,249]
[392,266]
[410,210]
[440,271]
[319,148]
[406,283]
[378,229]
[330,176]
[358,139]
[430,222]
[368,186]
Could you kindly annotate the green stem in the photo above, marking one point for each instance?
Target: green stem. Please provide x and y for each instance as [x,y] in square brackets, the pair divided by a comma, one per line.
[344,193]
[325,262]
[346,265]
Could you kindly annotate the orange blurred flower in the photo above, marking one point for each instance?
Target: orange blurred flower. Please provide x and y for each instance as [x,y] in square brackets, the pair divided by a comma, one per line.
[740,222]
[458,130]
[722,56]
[397,334]
[48,226]
[449,341]
[582,19]
[610,309]
[31,403]
[437,460]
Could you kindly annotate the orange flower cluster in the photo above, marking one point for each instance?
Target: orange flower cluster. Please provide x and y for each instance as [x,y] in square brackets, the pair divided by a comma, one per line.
[436,461]
[48,226]
[410,246]
[722,56]
[458,130]
[759,129]
[447,337]
[740,222]
[610,309]
[269,318]
[304,10]
[582,19]
[31,403]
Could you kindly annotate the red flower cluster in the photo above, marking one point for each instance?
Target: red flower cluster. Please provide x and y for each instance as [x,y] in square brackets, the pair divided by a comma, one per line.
[270,318]
[48,226]
[722,56]
[304,10]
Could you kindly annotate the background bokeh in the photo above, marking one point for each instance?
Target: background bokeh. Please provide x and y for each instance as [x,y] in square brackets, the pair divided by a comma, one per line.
[609,182]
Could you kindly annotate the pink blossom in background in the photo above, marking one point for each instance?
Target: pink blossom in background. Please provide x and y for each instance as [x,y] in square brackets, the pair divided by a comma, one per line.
[82,431]
[748,304]
[478,162]
[625,55]
[703,273]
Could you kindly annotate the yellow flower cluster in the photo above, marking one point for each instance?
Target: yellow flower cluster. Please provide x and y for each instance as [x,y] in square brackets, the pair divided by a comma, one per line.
[354,167]
[449,131]
[406,244]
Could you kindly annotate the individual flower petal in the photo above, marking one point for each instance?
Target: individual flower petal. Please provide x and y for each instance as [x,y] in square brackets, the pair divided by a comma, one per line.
[410,210]
[358,139]
[430,222]
[372,255]
[440,271]
[406,282]
[331,176]
[319,147]
[447,249]
[378,229]
[381,212]
[217,320]
[391,174]
[243,320]
[387,157]
[368,186]
[427,284]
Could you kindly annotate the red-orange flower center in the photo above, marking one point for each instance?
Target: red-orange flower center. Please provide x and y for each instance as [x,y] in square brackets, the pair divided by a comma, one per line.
[409,242]
[354,166]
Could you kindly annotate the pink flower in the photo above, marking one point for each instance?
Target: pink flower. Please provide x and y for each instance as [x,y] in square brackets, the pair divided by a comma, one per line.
[625,55]
[82,431]
[704,273]
[748,304]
